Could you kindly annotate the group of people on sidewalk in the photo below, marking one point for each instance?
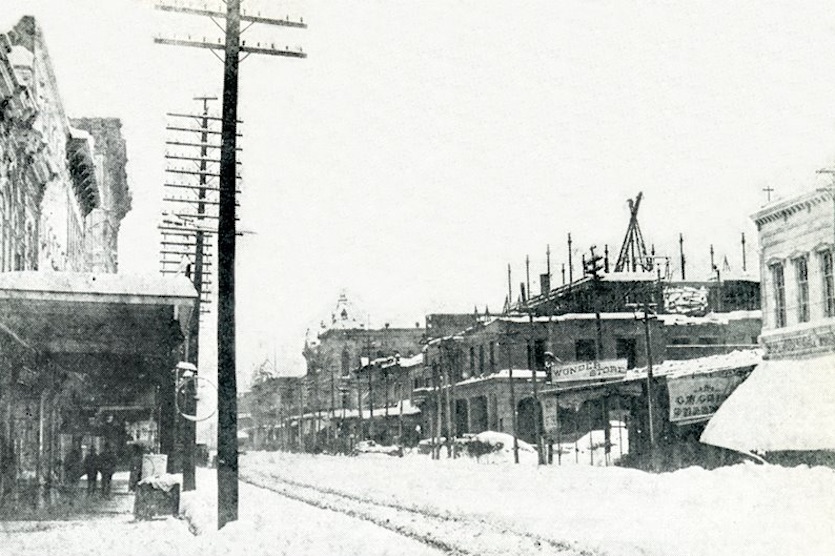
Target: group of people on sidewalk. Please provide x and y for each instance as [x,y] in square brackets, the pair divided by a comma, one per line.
[92,465]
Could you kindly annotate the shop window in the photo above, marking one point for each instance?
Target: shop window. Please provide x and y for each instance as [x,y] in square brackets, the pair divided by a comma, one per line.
[481,359]
[346,362]
[492,357]
[779,284]
[828,284]
[708,340]
[801,275]
[585,350]
[472,360]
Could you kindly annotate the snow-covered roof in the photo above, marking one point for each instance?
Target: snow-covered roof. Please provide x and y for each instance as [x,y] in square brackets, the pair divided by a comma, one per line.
[523,319]
[710,318]
[682,367]
[518,374]
[95,285]
[394,410]
[414,361]
[783,405]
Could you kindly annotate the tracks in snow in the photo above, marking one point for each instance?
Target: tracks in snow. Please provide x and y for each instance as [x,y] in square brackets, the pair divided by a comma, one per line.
[455,534]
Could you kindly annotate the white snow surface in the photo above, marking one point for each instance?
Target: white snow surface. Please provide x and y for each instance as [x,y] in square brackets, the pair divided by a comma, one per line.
[744,509]
[741,510]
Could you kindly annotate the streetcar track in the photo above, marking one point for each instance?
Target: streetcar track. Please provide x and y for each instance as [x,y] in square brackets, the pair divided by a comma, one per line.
[402,521]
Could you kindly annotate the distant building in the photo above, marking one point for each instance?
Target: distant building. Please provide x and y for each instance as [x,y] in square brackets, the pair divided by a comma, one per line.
[339,349]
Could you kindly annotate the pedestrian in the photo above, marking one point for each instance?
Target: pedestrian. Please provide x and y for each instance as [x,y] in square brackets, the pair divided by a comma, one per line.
[72,466]
[135,466]
[91,468]
[107,466]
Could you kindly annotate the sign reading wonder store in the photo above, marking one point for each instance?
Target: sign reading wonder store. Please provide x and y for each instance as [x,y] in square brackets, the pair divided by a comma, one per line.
[587,370]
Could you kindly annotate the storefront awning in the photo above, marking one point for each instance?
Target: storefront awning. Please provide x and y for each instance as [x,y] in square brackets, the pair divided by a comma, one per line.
[86,313]
[783,405]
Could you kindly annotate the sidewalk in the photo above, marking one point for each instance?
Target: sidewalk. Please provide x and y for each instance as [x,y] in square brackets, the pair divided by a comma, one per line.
[92,526]
[73,502]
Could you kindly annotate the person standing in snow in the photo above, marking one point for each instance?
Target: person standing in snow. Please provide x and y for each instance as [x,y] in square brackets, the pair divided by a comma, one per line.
[135,467]
[72,466]
[107,466]
[91,468]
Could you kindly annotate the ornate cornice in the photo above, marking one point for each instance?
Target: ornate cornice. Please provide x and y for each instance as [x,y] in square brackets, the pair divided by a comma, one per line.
[783,209]
[809,340]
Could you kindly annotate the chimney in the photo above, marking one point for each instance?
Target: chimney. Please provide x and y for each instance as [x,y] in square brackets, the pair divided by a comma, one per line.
[545,283]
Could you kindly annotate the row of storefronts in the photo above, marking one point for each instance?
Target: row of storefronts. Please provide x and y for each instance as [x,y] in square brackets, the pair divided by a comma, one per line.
[87,355]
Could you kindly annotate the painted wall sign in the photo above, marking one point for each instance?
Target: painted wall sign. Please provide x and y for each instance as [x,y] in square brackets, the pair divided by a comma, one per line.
[586,370]
[697,397]
[685,300]
[549,413]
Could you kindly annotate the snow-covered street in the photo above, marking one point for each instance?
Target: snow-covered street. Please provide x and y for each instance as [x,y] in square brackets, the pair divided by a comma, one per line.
[739,510]
[377,505]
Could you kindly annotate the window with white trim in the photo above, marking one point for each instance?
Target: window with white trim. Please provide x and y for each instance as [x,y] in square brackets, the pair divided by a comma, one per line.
[828,284]
[801,276]
[779,282]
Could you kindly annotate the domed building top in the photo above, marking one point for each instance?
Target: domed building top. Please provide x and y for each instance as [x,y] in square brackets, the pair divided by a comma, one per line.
[344,316]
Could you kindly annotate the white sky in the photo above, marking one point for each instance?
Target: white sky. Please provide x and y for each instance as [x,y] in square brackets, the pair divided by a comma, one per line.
[423,146]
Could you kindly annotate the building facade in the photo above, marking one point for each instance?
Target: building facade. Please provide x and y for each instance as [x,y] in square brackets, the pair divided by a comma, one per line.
[784,408]
[63,185]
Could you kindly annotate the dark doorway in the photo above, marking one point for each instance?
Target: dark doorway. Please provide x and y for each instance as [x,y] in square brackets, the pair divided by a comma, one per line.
[478,414]
[461,421]
[526,422]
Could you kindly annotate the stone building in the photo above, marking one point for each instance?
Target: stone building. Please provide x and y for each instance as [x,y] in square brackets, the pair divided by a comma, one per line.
[48,178]
[785,408]
[86,358]
[101,231]
[337,353]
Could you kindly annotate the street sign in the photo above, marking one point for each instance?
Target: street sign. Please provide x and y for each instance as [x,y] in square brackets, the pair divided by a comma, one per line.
[588,370]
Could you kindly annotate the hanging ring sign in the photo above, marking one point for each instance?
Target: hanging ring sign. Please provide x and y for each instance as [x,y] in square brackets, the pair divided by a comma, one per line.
[201,389]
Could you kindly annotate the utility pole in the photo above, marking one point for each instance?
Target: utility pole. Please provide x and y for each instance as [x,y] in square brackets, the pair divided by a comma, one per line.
[509,290]
[533,370]
[186,221]
[681,253]
[744,266]
[227,469]
[512,402]
[650,383]
[570,264]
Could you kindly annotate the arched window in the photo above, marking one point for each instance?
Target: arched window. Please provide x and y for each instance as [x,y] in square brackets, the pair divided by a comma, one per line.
[346,361]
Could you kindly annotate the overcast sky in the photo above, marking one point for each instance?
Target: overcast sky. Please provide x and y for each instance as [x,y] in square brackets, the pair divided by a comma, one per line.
[423,146]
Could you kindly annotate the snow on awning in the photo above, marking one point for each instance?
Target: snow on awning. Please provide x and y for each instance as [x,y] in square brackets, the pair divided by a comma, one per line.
[783,405]
[673,368]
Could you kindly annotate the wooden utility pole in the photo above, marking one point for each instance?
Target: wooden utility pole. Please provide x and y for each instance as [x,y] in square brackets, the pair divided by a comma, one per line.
[189,220]
[570,264]
[509,290]
[744,266]
[227,472]
[513,417]
[681,253]
[536,408]
[650,385]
